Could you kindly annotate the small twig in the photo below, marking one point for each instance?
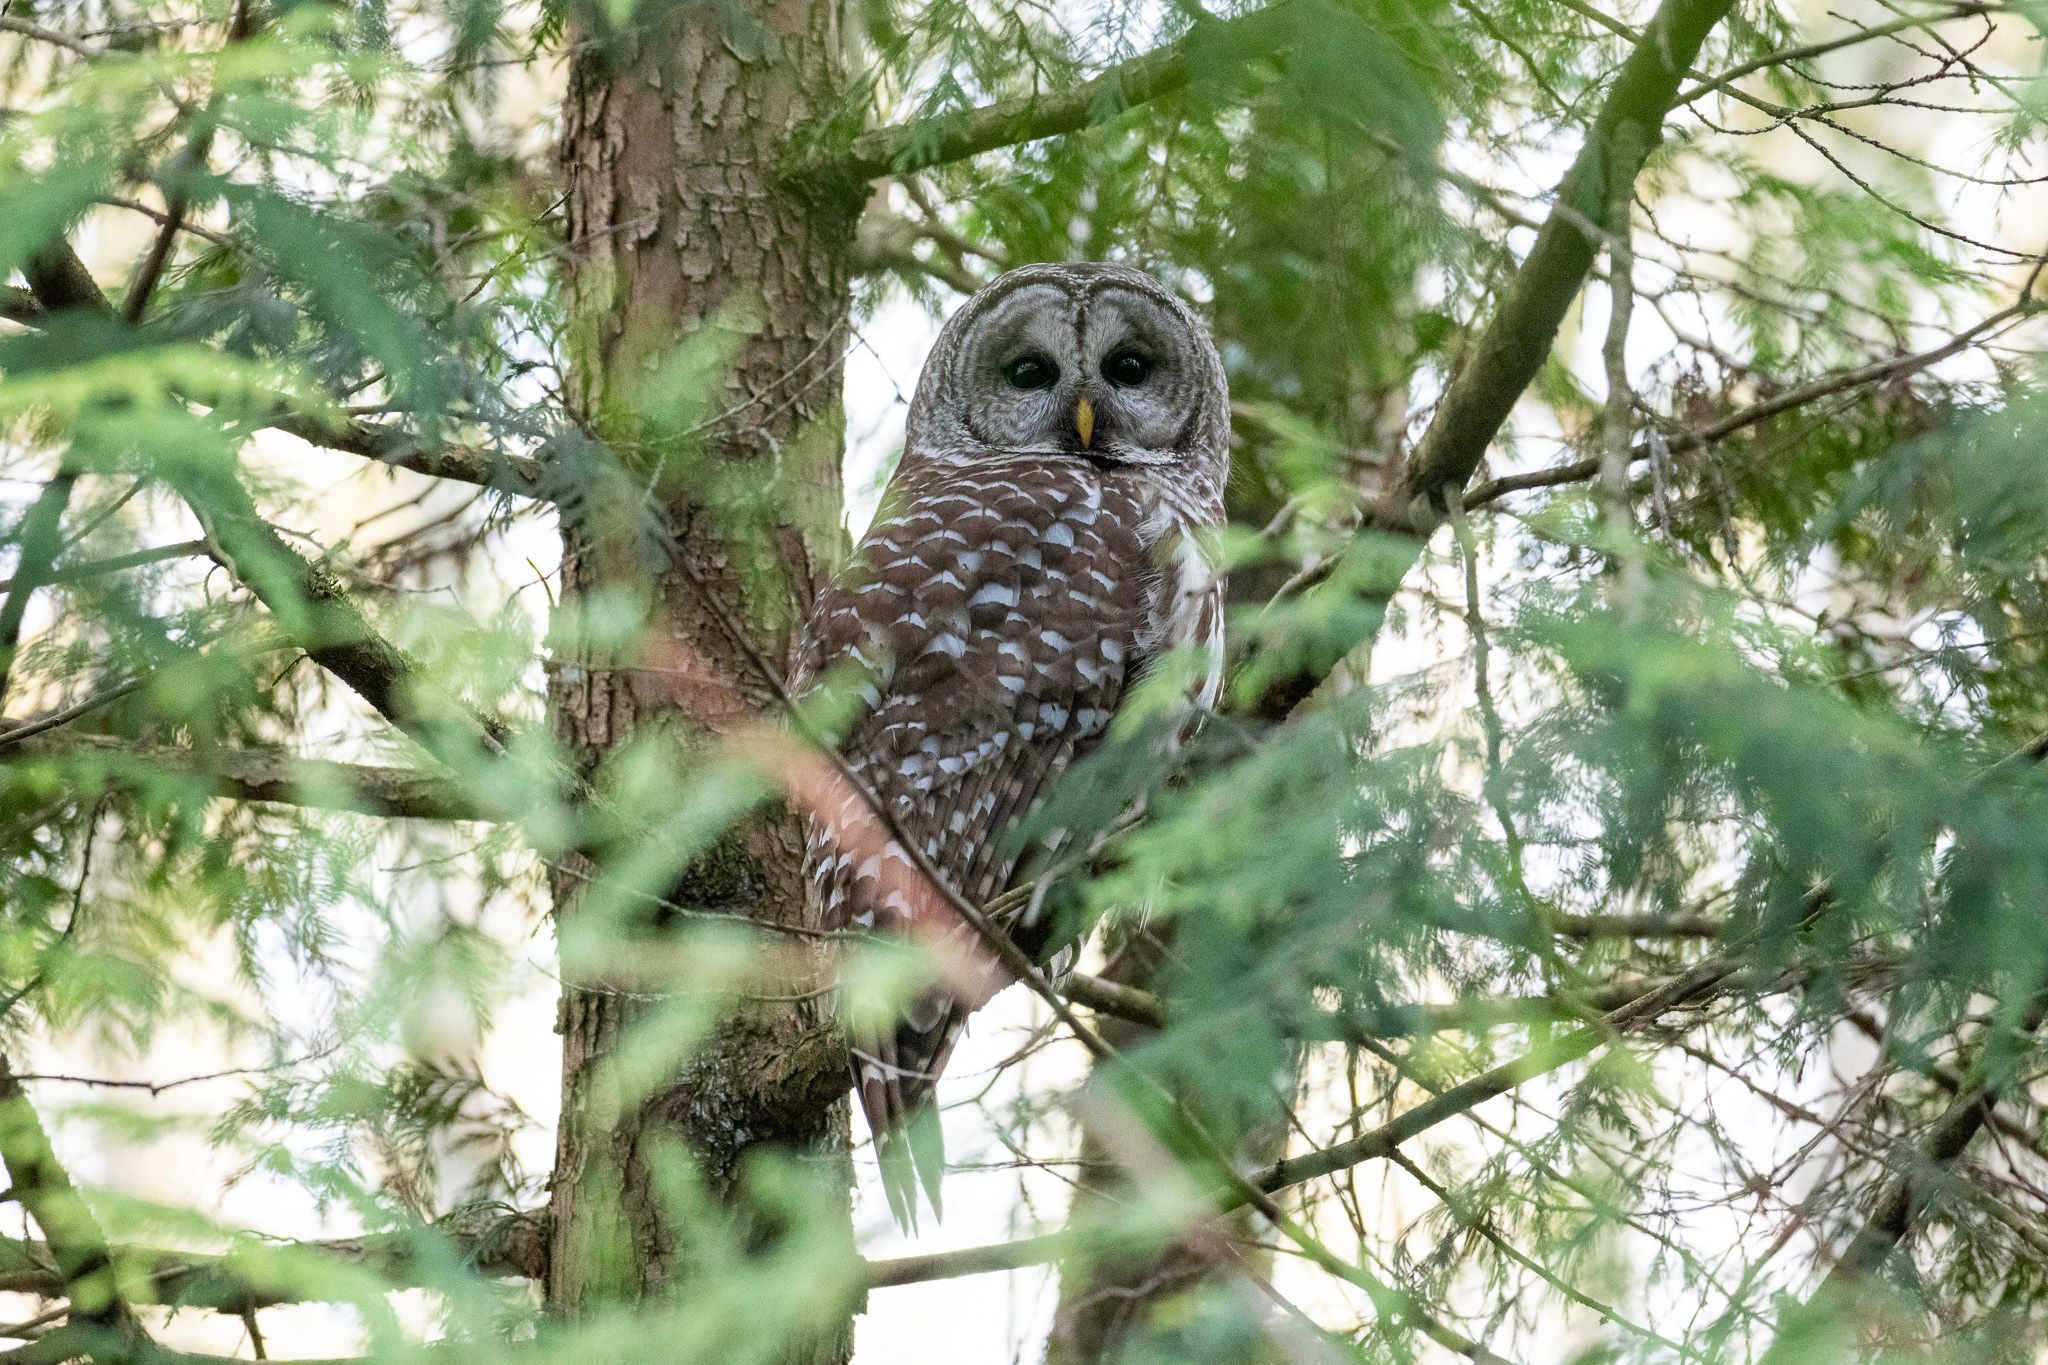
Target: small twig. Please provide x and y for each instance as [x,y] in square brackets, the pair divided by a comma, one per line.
[1578,471]
[1619,407]
[159,1088]
[30,29]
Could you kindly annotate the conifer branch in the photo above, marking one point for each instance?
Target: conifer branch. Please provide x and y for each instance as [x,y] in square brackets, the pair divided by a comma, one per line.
[40,543]
[937,139]
[1897,1205]
[58,281]
[1505,358]
[115,563]
[1777,405]
[1701,982]
[1918,1168]
[315,613]
[308,601]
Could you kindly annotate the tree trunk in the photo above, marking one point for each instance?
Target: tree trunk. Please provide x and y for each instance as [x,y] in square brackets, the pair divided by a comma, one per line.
[679,229]
[1105,1302]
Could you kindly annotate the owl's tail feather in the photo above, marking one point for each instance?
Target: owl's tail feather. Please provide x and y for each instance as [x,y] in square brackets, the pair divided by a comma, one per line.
[895,1075]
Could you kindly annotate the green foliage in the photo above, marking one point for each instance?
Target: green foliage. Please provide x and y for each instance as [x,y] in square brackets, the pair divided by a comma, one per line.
[1783,685]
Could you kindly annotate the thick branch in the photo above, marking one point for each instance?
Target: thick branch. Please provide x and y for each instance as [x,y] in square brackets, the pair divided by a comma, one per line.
[115,563]
[439,460]
[268,775]
[20,305]
[1144,1007]
[76,1252]
[59,280]
[935,140]
[493,1243]
[1512,349]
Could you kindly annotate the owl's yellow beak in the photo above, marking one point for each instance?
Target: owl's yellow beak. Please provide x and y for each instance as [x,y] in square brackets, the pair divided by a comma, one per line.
[1084,421]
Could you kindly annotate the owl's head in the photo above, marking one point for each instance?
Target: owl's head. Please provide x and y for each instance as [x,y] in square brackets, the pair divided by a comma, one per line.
[1090,362]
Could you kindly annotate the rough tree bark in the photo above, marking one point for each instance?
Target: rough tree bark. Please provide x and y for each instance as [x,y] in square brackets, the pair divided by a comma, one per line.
[1107,1300]
[678,221]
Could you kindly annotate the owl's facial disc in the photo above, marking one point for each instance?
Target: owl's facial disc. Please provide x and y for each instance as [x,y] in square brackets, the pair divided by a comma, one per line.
[1104,373]
[1144,378]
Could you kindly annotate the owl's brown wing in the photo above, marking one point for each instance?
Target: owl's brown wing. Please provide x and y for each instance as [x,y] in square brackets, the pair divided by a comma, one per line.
[994,618]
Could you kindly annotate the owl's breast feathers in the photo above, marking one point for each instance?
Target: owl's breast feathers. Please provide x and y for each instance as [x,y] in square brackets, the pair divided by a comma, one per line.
[992,620]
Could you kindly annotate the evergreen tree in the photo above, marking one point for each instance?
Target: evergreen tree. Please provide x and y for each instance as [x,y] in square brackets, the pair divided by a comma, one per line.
[1602,919]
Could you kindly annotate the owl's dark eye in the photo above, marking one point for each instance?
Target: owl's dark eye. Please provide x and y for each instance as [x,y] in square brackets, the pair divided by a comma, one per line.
[1031,372]
[1126,368]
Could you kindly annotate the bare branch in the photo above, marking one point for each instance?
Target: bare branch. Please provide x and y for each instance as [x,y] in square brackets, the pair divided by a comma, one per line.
[1893,1211]
[1138,1006]
[267,775]
[1808,51]
[39,33]
[1703,980]
[1115,999]
[1799,396]
[1897,1205]
[479,465]
[28,727]
[887,241]
[1952,1081]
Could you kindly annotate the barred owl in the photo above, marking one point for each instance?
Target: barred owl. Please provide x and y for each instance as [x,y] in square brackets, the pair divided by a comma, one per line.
[1032,557]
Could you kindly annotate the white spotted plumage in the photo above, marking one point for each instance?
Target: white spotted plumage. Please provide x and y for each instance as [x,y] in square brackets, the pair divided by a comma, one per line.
[1021,577]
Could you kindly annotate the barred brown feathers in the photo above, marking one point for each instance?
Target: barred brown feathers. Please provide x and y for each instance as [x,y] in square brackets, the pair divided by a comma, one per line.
[1034,554]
